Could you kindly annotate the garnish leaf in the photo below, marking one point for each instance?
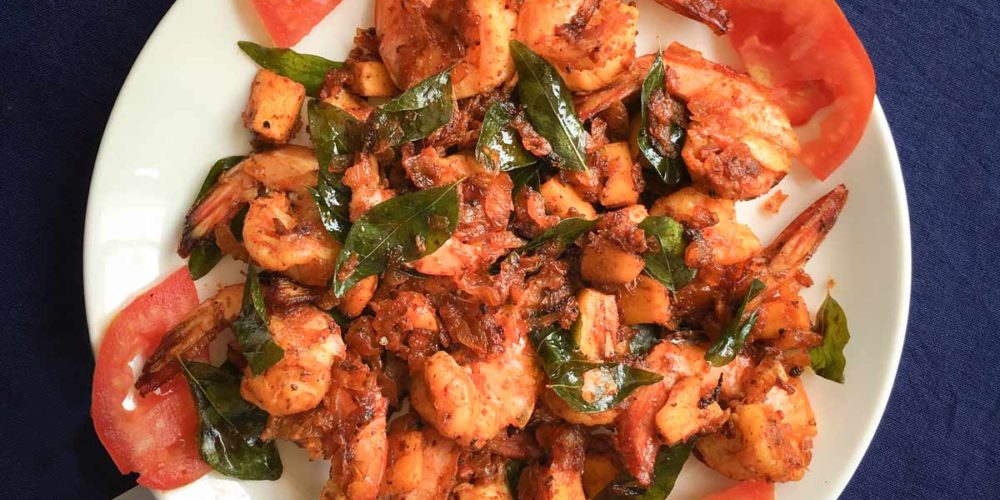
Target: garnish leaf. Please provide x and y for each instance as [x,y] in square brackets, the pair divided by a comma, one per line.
[525,177]
[307,69]
[204,256]
[335,134]
[499,148]
[236,224]
[416,113]
[645,338]
[512,473]
[668,165]
[406,228]
[666,264]
[669,462]
[570,374]
[251,327]
[229,428]
[565,232]
[730,343]
[548,103]
[333,131]
[828,359]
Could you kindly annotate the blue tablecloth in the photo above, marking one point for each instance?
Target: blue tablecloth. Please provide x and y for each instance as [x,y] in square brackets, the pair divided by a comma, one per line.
[938,65]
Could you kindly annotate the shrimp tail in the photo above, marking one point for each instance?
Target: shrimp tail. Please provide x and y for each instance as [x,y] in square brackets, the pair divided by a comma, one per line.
[191,334]
[219,206]
[708,12]
[793,248]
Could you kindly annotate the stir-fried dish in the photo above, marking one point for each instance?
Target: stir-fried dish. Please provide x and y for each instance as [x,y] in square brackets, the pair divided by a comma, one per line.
[499,258]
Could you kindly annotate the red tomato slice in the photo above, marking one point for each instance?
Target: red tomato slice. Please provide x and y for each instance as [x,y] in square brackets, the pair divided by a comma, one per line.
[808,53]
[747,490]
[157,437]
[287,21]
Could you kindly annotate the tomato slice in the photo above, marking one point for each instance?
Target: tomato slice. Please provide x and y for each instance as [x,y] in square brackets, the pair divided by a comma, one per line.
[156,437]
[747,490]
[807,52]
[287,21]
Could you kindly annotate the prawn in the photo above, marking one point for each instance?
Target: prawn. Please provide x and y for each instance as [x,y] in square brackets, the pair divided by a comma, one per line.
[194,332]
[590,42]
[739,143]
[284,168]
[471,399]
[417,39]
[707,12]
[296,383]
[769,440]
[280,234]
[562,479]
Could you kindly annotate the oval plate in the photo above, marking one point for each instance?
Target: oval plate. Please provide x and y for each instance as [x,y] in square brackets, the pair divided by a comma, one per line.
[179,111]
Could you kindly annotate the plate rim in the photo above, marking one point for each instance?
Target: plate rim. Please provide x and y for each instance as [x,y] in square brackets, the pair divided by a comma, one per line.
[877,117]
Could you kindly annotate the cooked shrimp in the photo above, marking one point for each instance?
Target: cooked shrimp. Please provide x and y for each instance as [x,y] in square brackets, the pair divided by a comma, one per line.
[562,479]
[312,343]
[195,331]
[357,467]
[284,235]
[590,42]
[422,464]
[770,440]
[739,143]
[367,186]
[420,38]
[284,168]
[707,12]
[471,399]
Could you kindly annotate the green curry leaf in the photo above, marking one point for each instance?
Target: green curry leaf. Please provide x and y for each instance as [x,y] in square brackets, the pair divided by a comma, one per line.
[512,473]
[666,263]
[828,359]
[668,165]
[645,338]
[499,148]
[548,103]
[566,232]
[229,428]
[251,327]
[416,113]
[204,256]
[333,131]
[406,228]
[307,69]
[669,462]
[730,342]
[567,371]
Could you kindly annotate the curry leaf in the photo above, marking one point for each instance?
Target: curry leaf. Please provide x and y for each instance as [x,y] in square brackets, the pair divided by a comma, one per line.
[645,337]
[499,148]
[666,263]
[512,473]
[307,69]
[251,327]
[406,228]
[236,224]
[667,165]
[583,385]
[416,113]
[565,233]
[525,177]
[669,462]
[333,131]
[333,200]
[548,103]
[730,342]
[229,428]
[203,258]
[828,359]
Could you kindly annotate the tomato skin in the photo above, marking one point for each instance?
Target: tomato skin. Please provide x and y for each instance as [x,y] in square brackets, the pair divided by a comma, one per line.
[287,21]
[807,52]
[747,490]
[157,438]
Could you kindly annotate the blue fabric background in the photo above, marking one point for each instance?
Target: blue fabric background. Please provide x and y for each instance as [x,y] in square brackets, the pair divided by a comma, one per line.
[62,63]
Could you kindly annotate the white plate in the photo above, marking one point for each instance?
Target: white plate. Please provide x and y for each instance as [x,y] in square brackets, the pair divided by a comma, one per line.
[179,111]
